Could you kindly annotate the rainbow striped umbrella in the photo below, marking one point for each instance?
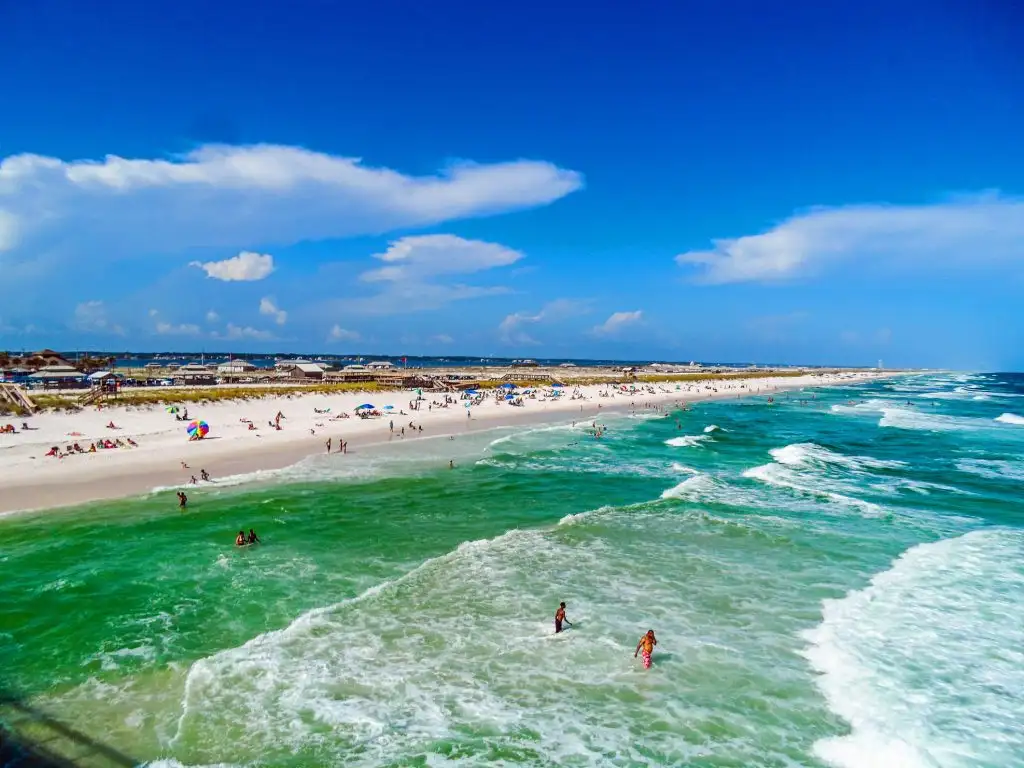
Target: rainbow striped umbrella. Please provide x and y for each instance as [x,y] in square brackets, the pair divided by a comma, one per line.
[198,429]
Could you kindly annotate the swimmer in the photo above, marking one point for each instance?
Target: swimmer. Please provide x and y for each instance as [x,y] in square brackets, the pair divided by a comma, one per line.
[240,539]
[253,538]
[560,617]
[647,643]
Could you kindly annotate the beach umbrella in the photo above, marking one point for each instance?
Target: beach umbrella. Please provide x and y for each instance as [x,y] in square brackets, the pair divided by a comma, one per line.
[508,385]
[172,409]
[389,407]
[510,397]
[364,407]
[556,385]
[198,427]
[471,391]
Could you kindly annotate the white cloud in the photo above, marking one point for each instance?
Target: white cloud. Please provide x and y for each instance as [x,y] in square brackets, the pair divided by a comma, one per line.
[410,281]
[423,256]
[185,329]
[212,317]
[270,309]
[246,332]
[8,231]
[511,328]
[966,234]
[341,334]
[230,196]
[246,266]
[617,321]
[153,313]
[442,338]
[91,317]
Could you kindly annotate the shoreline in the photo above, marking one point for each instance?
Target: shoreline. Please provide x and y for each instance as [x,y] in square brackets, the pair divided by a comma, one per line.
[33,483]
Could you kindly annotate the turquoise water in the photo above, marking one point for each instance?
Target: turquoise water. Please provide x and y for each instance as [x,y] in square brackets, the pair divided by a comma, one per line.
[835,579]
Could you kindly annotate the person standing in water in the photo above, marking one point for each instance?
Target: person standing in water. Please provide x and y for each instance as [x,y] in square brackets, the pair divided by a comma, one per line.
[240,539]
[182,500]
[560,617]
[329,445]
[646,644]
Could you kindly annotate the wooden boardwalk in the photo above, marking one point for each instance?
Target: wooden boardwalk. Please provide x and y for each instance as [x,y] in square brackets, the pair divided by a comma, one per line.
[12,394]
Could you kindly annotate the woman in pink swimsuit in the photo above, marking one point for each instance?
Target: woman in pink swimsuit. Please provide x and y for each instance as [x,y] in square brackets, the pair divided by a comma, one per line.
[646,644]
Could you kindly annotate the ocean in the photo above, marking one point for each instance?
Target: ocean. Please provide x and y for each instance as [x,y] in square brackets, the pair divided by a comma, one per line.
[835,579]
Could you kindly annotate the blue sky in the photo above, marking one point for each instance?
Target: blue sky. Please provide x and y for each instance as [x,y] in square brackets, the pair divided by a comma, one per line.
[714,181]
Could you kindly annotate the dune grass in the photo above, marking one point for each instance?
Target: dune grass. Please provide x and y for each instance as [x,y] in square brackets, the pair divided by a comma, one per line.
[183,396]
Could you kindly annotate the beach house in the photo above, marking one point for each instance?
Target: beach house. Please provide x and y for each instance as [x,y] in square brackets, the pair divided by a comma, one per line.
[235,367]
[194,373]
[306,372]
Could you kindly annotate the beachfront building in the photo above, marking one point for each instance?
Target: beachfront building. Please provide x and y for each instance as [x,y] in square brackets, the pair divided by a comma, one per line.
[348,374]
[287,365]
[380,365]
[306,372]
[235,367]
[58,377]
[107,382]
[33,361]
[194,373]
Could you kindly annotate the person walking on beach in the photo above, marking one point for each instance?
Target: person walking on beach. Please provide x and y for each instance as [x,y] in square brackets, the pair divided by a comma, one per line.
[560,617]
[646,644]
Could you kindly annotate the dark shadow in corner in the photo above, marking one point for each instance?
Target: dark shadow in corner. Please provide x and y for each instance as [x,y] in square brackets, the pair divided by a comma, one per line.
[40,750]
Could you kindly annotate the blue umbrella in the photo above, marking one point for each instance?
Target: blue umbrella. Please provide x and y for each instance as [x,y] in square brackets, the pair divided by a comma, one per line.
[556,385]
[508,385]
[510,397]
[364,406]
[389,407]
[470,391]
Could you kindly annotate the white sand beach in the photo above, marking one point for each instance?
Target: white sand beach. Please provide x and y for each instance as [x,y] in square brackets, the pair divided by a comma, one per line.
[163,455]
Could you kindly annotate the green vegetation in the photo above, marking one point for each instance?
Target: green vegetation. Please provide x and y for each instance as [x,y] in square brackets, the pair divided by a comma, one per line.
[55,402]
[152,396]
[206,395]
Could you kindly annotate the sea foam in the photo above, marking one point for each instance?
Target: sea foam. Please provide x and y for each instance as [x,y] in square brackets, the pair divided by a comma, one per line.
[923,663]
[686,441]
[1011,418]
